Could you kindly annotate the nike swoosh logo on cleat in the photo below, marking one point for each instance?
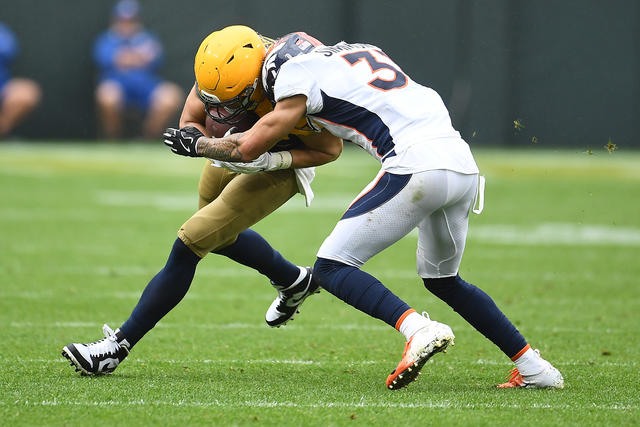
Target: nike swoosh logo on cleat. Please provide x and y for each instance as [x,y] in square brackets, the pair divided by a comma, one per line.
[109,363]
[297,297]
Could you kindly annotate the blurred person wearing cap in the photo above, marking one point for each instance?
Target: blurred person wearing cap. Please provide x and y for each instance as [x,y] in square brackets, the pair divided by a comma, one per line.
[128,58]
[18,95]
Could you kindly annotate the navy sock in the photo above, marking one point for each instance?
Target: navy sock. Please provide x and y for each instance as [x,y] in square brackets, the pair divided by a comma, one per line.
[360,290]
[477,308]
[252,250]
[163,292]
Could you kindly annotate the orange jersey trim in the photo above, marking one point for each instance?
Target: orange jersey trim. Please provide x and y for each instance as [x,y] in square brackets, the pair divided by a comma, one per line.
[369,191]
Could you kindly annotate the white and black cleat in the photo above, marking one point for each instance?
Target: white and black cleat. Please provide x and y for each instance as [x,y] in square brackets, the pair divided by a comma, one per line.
[287,303]
[100,357]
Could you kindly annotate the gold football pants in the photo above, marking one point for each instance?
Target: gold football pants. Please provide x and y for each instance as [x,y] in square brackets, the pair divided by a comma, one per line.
[230,203]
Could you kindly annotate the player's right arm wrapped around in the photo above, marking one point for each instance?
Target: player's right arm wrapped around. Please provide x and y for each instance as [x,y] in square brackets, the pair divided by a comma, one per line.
[265,162]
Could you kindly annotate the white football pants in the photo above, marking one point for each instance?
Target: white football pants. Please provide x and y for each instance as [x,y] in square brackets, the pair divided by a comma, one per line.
[437,202]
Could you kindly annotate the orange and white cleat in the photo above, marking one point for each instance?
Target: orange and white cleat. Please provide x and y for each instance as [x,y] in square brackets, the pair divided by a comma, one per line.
[549,377]
[432,339]
[514,379]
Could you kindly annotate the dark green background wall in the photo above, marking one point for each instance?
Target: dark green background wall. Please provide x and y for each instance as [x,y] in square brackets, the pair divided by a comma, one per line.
[568,70]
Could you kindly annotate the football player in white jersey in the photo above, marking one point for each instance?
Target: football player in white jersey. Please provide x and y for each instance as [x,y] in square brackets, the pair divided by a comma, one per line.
[428,180]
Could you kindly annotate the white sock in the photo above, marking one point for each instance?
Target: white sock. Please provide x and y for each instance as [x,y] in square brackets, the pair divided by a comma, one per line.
[411,324]
[530,363]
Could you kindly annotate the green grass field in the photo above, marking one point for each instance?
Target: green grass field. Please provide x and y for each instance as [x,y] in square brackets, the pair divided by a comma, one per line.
[85,226]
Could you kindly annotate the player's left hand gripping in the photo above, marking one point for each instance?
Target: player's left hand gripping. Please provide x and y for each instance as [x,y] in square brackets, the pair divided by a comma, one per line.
[183,141]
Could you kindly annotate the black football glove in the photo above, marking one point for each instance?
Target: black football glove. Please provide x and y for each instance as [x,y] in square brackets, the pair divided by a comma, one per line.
[183,141]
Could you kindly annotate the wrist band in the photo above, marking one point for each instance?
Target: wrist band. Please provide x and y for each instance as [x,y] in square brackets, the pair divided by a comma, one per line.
[281,160]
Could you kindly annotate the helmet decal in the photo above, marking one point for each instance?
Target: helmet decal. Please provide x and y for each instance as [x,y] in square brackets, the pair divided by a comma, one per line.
[284,49]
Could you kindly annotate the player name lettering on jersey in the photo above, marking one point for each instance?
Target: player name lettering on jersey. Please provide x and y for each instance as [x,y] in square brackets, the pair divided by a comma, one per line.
[342,47]
[358,93]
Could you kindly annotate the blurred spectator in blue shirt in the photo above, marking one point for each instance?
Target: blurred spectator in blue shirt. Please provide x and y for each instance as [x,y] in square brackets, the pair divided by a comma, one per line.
[128,58]
[18,95]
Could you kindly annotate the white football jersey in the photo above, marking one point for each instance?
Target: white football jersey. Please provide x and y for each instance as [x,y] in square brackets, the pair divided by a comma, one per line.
[358,93]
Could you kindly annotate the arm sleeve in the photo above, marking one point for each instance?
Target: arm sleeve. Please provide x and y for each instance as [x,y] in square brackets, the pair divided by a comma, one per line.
[295,79]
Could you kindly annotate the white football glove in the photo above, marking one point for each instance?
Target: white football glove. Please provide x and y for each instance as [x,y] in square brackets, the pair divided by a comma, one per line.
[264,162]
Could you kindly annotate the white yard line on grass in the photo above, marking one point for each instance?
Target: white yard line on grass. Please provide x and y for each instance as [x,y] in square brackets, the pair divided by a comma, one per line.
[267,295]
[221,326]
[407,273]
[180,201]
[506,234]
[447,362]
[324,326]
[447,404]
[556,233]
[565,234]
[169,202]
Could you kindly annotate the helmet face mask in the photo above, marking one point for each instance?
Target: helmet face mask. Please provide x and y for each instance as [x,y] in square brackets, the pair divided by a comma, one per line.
[227,69]
[232,110]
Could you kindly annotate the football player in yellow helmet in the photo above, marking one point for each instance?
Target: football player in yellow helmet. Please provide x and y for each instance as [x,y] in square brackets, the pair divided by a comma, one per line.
[232,197]
[227,69]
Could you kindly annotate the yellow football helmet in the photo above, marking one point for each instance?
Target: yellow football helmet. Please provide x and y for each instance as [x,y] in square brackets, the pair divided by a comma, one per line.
[227,68]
